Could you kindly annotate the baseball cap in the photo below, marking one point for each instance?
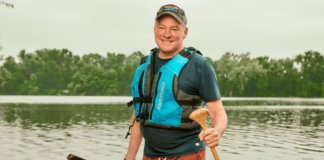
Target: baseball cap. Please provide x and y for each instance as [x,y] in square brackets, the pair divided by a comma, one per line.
[174,11]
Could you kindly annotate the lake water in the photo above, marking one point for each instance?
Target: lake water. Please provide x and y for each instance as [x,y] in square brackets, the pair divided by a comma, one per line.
[97,131]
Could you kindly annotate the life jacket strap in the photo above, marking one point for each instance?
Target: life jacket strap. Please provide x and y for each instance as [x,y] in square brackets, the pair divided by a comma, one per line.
[154,49]
[143,99]
[186,120]
[130,103]
[185,54]
[129,133]
[139,99]
[143,115]
[195,50]
[143,60]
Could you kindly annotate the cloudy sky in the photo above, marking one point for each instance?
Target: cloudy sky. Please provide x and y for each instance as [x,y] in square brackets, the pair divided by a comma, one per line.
[274,28]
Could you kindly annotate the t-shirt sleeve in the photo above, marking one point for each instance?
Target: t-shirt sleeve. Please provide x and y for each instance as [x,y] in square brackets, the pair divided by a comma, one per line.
[208,89]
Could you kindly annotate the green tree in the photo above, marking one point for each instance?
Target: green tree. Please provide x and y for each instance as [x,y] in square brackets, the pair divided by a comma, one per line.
[126,73]
[237,71]
[5,78]
[53,71]
[29,86]
[312,65]
[97,75]
[9,76]
[322,95]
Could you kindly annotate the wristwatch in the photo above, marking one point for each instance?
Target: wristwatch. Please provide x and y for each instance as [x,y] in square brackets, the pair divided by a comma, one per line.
[126,158]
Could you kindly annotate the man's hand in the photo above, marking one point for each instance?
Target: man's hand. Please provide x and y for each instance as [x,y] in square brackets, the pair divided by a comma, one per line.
[210,136]
[218,117]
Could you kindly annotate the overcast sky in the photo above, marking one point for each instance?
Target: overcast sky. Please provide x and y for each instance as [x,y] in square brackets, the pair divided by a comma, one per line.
[274,28]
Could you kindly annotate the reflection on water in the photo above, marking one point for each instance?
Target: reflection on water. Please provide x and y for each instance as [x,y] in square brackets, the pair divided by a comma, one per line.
[274,133]
[98,131]
[54,131]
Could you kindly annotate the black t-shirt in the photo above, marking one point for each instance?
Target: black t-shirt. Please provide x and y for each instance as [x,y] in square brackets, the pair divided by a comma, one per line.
[196,78]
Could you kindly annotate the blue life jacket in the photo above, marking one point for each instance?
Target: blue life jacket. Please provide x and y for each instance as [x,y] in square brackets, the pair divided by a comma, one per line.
[157,99]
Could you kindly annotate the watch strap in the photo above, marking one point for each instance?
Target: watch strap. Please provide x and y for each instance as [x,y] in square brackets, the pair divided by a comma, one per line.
[126,158]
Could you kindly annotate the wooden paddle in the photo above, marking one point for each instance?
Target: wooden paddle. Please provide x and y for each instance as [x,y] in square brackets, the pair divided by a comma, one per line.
[200,116]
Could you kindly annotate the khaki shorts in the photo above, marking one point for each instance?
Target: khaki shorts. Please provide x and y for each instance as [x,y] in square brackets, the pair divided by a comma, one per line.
[201,155]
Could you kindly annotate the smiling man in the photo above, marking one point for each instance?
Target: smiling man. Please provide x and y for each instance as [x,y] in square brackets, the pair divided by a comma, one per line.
[169,84]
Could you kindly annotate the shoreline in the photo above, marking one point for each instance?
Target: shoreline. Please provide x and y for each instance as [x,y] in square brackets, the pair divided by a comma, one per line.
[227,101]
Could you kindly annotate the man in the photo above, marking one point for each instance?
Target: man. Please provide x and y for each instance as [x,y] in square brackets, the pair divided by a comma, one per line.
[168,85]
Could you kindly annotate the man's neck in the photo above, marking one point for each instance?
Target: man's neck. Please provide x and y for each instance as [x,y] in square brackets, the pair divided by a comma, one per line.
[164,55]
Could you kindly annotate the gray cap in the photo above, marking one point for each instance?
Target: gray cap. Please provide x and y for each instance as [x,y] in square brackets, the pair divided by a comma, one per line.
[174,11]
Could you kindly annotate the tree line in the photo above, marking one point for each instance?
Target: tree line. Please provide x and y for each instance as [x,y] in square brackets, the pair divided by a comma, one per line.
[59,72]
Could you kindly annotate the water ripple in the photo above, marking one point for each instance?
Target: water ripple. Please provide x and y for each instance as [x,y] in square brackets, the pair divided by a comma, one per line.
[98,131]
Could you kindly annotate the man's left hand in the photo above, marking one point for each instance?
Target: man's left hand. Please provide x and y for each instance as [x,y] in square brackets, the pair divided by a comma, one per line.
[210,136]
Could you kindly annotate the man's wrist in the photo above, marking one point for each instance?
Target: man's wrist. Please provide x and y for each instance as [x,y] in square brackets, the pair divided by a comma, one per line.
[126,158]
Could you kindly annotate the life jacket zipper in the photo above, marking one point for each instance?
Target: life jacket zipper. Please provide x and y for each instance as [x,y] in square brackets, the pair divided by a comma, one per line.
[155,93]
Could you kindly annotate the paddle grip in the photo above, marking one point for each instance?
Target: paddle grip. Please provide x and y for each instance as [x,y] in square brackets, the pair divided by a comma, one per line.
[216,157]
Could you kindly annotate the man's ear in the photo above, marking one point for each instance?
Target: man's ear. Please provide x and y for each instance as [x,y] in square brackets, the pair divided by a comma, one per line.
[185,33]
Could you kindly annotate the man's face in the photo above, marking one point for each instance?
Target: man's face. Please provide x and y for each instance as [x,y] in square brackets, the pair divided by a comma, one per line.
[169,34]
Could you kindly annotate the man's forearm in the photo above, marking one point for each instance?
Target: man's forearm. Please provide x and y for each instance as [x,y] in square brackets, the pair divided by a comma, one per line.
[219,122]
[218,116]
[135,139]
